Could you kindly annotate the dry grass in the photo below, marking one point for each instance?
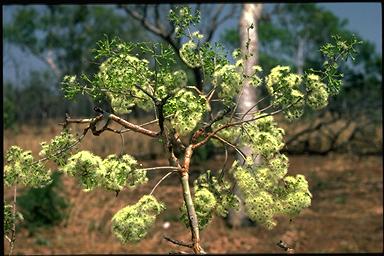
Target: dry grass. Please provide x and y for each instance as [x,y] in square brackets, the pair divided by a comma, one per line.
[346,213]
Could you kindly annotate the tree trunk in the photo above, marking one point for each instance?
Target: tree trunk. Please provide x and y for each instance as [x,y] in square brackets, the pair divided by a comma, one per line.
[250,15]
[300,56]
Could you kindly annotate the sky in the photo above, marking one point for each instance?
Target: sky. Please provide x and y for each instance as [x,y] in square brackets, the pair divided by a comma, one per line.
[363,18]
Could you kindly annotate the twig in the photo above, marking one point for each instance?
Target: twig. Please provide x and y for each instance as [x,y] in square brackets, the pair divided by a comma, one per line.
[64,149]
[255,105]
[146,93]
[177,242]
[9,239]
[210,135]
[285,246]
[221,175]
[133,127]
[158,168]
[145,124]
[158,183]
[13,234]
[122,142]
[177,252]
[231,145]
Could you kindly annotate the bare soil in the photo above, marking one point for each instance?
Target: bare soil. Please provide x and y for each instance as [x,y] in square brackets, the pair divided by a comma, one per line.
[346,213]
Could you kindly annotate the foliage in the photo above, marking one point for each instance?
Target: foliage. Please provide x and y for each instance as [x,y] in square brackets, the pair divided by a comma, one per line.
[128,79]
[9,113]
[131,224]
[113,173]
[57,149]
[61,37]
[212,195]
[45,206]
[120,172]
[21,168]
[9,218]
[291,35]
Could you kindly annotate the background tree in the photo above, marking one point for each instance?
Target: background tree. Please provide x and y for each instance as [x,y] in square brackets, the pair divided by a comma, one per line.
[290,34]
[61,36]
[58,35]
[249,43]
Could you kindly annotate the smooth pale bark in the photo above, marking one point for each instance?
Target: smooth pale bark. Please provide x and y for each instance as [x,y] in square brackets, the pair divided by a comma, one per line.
[250,15]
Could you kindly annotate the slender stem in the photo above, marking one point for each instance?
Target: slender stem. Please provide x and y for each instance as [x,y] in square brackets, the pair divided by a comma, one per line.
[63,149]
[192,217]
[174,168]
[237,104]
[193,222]
[158,183]
[7,237]
[210,135]
[122,142]
[13,235]
[177,242]
[231,145]
[145,124]
[221,175]
[146,93]
[255,105]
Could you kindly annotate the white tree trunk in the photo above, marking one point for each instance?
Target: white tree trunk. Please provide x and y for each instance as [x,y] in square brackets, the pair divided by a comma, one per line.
[250,15]
[300,56]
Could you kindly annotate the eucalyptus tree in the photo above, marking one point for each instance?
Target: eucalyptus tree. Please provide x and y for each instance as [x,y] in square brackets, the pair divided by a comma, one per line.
[291,34]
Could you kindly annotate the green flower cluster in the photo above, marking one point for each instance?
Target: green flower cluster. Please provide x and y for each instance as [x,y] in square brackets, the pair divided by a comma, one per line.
[87,168]
[204,202]
[168,82]
[21,168]
[283,86]
[120,104]
[187,109]
[212,56]
[210,196]
[122,172]
[333,52]
[255,79]
[56,150]
[220,189]
[182,18]
[9,218]
[133,222]
[112,173]
[317,96]
[263,136]
[229,80]
[189,53]
[228,133]
[267,193]
[71,86]
[119,75]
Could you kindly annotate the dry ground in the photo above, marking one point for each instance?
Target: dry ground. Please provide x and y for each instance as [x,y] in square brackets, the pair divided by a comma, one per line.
[346,213]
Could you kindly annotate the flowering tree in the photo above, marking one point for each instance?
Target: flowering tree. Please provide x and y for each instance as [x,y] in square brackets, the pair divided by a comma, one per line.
[187,119]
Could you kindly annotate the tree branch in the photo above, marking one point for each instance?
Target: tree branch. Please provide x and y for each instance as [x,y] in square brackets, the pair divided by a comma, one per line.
[158,183]
[160,168]
[231,145]
[135,15]
[177,242]
[13,231]
[205,140]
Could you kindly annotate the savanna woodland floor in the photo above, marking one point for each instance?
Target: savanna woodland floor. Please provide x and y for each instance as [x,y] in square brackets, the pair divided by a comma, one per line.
[346,213]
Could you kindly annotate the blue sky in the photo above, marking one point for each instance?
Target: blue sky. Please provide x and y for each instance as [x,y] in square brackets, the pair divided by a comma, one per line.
[363,18]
